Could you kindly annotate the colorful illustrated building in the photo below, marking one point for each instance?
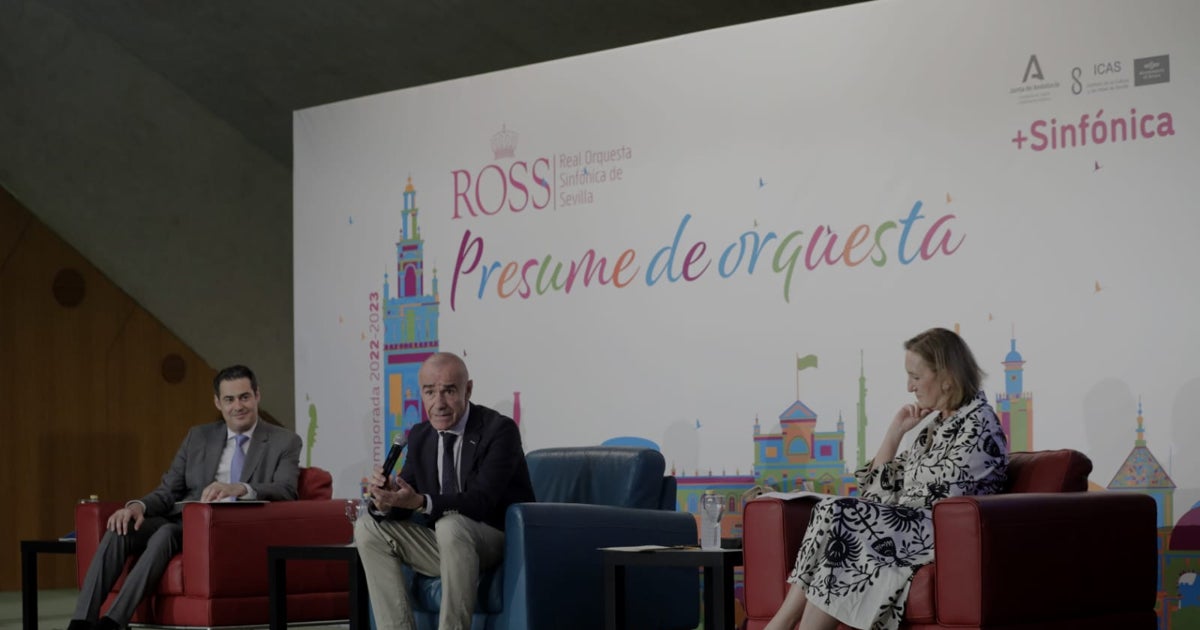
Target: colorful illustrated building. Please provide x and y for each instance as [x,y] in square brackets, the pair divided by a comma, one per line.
[1142,472]
[410,324]
[1179,578]
[1015,406]
[801,458]
[797,458]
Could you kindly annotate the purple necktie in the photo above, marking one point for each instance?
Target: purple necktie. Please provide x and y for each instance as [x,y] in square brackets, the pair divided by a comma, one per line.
[239,458]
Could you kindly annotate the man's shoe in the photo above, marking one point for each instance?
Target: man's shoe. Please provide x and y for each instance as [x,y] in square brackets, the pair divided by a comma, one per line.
[107,624]
[80,624]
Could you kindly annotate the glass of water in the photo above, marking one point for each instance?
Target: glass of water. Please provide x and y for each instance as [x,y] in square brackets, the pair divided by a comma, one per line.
[712,507]
[355,509]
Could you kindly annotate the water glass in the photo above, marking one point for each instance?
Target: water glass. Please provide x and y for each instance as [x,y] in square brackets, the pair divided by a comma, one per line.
[712,506]
[355,509]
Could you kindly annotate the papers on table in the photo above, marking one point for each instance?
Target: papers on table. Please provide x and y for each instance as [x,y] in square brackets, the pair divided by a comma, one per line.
[792,496]
[225,502]
[648,548]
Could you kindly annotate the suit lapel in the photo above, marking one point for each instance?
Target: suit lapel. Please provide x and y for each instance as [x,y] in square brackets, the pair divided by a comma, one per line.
[429,453]
[470,447]
[213,447]
[256,453]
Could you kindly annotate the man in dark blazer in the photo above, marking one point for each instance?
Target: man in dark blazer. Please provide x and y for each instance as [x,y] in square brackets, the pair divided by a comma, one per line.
[443,514]
[268,458]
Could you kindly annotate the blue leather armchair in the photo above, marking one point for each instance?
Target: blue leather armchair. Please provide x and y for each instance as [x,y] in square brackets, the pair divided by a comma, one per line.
[552,576]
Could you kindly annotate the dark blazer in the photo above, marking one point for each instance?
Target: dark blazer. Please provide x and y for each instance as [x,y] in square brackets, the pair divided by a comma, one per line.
[272,466]
[492,471]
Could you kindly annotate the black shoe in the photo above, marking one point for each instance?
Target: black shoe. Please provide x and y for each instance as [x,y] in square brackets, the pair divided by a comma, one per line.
[79,624]
[106,623]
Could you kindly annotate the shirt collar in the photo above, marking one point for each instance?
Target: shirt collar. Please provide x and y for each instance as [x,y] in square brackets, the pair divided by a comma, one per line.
[229,434]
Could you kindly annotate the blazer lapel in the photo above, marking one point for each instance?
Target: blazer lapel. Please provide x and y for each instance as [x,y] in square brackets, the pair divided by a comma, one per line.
[432,483]
[214,446]
[256,453]
[470,449]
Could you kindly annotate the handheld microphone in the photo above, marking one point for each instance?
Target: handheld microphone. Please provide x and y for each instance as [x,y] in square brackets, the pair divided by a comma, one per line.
[393,456]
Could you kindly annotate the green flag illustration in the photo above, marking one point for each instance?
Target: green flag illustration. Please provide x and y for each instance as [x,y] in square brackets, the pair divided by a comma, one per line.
[803,363]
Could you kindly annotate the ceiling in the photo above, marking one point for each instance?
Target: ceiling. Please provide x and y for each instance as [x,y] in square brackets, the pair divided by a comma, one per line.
[253,62]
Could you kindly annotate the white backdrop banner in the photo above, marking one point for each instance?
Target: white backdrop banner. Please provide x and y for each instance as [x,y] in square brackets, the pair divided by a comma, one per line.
[650,243]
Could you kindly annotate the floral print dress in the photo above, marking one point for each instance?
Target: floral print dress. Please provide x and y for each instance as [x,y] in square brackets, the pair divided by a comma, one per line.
[859,554]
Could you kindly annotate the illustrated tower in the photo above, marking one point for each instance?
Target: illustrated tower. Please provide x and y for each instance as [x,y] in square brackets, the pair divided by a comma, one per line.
[1015,406]
[1142,472]
[862,413]
[410,323]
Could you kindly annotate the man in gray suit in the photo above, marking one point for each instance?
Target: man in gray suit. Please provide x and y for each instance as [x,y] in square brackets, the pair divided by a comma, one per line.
[206,468]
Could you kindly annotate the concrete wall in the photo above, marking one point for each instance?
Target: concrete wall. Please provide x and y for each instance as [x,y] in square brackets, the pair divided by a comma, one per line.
[172,204]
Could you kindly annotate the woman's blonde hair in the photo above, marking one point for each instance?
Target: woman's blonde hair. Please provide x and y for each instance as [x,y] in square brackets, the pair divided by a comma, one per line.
[946,353]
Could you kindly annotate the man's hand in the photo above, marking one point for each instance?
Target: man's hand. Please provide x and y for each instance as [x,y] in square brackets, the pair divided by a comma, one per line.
[119,521]
[392,493]
[217,491]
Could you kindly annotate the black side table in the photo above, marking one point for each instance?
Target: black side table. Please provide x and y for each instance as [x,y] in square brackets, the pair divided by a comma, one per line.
[277,558]
[718,567]
[29,572]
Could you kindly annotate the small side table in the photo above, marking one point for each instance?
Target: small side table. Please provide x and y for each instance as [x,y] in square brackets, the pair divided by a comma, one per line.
[277,558]
[718,567]
[29,575]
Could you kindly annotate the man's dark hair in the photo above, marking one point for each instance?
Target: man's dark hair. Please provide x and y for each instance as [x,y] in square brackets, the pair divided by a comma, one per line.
[233,373]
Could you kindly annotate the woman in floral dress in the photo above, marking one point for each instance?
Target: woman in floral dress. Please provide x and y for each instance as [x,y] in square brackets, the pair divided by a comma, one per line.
[859,554]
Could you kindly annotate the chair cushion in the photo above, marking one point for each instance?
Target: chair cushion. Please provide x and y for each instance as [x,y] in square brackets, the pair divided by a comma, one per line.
[314,483]
[921,604]
[172,579]
[1063,470]
[618,476]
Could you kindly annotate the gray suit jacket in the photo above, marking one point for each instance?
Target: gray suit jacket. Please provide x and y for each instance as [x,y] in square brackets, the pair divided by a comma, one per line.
[272,466]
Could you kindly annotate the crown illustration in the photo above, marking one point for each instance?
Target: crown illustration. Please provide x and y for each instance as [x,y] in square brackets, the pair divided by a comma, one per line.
[504,143]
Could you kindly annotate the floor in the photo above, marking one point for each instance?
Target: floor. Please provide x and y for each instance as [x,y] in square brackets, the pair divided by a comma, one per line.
[54,610]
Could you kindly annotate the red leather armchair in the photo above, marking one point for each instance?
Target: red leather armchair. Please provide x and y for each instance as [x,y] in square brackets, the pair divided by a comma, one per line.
[220,578]
[1046,555]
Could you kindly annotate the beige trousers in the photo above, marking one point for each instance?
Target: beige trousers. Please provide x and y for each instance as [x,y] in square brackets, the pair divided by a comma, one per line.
[457,551]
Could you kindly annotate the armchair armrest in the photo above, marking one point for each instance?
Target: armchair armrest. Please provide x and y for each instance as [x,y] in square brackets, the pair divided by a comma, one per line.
[90,521]
[1006,558]
[225,546]
[554,571]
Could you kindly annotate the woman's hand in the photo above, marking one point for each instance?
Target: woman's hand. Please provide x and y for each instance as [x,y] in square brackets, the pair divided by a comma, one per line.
[909,416]
[906,418]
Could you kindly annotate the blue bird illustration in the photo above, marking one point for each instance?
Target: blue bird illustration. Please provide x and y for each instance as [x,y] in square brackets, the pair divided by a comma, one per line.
[585,170]
[697,423]
[761,183]
[351,220]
